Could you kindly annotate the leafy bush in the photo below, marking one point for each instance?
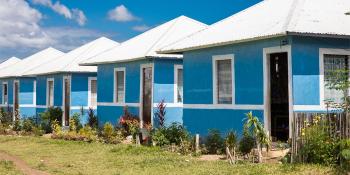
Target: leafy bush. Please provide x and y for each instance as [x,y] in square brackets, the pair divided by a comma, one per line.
[110,135]
[214,142]
[88,134]
[50,115]
[246,144]
[176,133]
[28,125]
[17,125]
[108,131]
[5,117]
[76,120]
[159,137]
[129,122]
[92,119]
[318,146]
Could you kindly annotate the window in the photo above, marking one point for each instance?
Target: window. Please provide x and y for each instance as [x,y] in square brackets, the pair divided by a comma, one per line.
[178,84]
[5,96]
[50,92]
[119,85]
[333,63]
[93,92]
[223,80]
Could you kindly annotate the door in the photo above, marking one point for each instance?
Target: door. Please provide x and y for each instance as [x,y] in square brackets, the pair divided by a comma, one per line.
[15,100]
[279,104]
[66,101]
[146,94]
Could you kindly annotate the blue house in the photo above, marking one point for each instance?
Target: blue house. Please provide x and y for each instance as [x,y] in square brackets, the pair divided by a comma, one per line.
[273,58]
[63,83]
[4,85]
[134,75]
[18,93]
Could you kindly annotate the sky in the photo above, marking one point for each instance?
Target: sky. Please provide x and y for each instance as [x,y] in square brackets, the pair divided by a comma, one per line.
[28,26]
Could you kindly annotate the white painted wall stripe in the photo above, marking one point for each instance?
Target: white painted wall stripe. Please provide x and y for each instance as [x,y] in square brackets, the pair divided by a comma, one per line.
[223,106]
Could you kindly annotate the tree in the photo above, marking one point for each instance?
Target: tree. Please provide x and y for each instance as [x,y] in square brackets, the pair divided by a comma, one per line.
[256,128]
[231,143]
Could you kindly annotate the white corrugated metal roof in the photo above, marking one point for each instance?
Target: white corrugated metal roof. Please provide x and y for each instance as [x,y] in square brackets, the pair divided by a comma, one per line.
[146,44]
[31,62]
[70,61]
[271,18]
[9,62]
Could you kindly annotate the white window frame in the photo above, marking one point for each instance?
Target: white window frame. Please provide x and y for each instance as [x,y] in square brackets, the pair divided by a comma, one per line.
[89,91]
[215,88]
[322,52]
[119,69]
[3,92]
[176,68]
[34,92]
[47,92]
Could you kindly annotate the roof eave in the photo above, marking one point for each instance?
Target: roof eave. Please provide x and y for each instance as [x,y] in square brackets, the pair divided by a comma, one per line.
[126,60]
[180,51]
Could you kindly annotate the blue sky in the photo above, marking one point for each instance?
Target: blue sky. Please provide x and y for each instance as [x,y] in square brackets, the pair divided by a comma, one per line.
[66,24]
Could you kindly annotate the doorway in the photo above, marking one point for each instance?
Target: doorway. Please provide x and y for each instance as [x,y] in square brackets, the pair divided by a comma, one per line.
[15,99]
[66,100]
[279,96]
[147,78]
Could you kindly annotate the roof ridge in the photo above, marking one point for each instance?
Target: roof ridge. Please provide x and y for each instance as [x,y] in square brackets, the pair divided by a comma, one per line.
[238,13]
[163,35]
[292,12]
[93,43]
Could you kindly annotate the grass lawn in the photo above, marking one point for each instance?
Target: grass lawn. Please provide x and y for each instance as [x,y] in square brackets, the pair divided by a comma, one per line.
[8,168]
[67,157]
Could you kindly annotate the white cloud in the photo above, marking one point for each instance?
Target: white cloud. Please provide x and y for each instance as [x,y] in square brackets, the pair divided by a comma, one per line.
[75,14]
[79,16]
[121,14]
[141,28]
[21,34]
[19,25]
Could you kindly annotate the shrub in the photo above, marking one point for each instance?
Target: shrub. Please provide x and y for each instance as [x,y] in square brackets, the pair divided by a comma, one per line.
[28,125]
[108,130]
[76,120]
[17,125]
[88,134]
[160,113]
[214,142]
[159,137]
[318,146]
[246,144]
[129,122]
[231,143]
[5,117]
[50,115]
[92,119]
[37,131]
[176,132]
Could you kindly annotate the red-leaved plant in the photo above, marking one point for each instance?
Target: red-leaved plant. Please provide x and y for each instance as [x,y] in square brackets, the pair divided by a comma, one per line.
[160,113]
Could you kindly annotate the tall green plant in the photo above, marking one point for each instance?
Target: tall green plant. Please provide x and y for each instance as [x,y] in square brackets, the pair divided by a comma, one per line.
[231,143]
[92,119]
[256,128]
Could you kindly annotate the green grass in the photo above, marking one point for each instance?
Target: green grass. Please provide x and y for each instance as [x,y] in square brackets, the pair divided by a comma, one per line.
[67,157]
[8,168]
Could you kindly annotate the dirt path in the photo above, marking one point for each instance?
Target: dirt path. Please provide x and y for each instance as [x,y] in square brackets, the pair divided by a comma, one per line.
[21,165]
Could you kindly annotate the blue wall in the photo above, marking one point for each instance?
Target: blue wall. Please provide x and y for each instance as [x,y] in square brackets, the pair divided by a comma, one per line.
[163,88]
[248,66]
[305,54]
[79,92]
[198,85]
[26,95]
